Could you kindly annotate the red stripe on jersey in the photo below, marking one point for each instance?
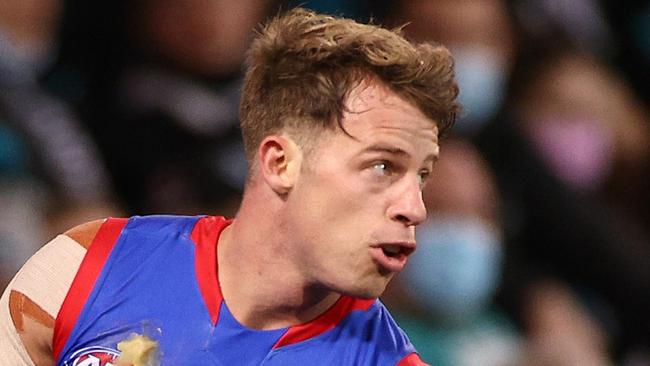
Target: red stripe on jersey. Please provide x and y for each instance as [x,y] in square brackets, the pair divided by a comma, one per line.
[412,360]
[328,320]
[206,235]
[84,281]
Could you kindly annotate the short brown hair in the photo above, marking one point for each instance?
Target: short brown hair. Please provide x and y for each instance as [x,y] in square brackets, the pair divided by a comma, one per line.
[303,65]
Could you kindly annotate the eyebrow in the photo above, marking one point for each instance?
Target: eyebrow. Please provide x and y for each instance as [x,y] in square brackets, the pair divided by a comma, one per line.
[397,151]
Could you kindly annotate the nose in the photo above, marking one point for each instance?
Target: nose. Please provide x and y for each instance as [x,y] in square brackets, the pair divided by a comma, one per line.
[408,206]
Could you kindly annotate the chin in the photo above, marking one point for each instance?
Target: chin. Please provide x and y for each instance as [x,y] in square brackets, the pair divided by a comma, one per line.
[368,291]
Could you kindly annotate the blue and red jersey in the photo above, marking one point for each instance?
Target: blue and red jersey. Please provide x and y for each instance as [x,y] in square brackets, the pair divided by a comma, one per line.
[157,276]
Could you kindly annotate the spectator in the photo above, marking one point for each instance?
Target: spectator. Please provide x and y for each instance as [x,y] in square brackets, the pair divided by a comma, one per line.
[552,233]
[568,222]
[479,34]
[444,300]
[179,77]
[48,161]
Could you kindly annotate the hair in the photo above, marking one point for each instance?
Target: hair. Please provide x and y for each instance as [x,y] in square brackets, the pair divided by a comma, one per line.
[303,65]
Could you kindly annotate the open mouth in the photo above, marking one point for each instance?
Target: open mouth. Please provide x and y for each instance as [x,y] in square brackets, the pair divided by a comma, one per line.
[394,250]
[392,257]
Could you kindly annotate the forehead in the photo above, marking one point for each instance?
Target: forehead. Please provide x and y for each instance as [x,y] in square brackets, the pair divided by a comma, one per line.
[372,109]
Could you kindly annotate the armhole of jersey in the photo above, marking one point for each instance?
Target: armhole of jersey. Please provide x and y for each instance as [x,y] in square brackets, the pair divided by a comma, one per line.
[328,320]
[412,359]
[84,281]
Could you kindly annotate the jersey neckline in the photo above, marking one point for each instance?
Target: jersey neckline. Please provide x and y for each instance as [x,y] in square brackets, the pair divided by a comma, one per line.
[205,235]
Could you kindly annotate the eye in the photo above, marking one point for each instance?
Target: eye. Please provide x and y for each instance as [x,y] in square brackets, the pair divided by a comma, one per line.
[381,168]
[424,177]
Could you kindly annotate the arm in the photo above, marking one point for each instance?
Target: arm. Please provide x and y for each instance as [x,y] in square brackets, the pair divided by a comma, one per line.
[31,302]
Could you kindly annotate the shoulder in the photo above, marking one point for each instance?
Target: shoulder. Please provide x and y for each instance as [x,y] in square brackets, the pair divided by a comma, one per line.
[162,225]
[32,300]
[85,233]
[47,275]
[393,346]
[377,339]
[109,230]
[412,359]
[352,332]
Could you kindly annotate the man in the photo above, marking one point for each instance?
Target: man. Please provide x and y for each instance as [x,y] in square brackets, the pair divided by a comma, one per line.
[341,122]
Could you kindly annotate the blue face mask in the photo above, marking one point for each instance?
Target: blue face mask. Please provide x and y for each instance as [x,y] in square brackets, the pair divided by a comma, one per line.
[456,267]
[481,79]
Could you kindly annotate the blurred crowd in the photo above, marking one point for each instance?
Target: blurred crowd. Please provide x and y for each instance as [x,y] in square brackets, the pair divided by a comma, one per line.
[537,246]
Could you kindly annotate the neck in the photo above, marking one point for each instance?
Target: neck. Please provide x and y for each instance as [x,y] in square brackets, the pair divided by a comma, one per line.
[260,281]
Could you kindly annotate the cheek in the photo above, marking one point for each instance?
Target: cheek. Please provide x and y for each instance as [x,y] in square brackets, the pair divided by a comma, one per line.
[339,203]
[329,214]
[342,200]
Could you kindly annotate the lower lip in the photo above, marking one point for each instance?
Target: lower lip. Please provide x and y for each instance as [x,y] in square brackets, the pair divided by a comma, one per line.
[392,264]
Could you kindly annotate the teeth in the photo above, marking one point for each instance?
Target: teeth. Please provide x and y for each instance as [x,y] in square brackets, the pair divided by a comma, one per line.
[392,249]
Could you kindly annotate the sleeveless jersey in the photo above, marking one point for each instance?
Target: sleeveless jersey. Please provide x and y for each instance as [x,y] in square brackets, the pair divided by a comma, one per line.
[157,276]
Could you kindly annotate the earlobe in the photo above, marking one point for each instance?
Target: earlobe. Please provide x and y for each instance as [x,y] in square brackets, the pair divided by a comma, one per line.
[279,158]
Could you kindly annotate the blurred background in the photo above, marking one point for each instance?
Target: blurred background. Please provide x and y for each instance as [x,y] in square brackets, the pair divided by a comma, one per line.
[537,246]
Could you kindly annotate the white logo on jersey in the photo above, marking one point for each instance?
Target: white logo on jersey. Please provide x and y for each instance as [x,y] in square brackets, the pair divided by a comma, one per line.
[93,356]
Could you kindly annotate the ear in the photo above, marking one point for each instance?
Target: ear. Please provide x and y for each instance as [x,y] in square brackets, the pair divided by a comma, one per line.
[279,159]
